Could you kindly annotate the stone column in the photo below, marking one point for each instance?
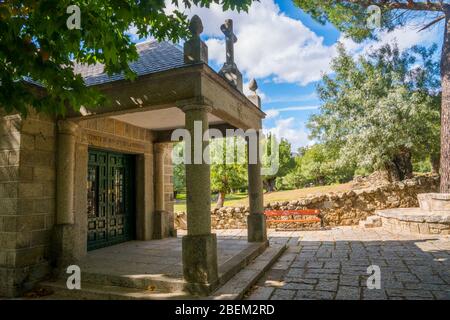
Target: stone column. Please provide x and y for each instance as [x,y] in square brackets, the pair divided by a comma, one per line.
[159,152]
[200,245]
[64,230]
[256,220]
[144,196]
[161,219]
[65,172]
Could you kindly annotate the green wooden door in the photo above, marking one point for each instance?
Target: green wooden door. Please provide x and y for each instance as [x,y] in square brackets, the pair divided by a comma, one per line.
[110,197]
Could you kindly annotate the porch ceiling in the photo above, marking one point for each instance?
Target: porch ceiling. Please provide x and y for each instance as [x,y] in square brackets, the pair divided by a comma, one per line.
[151,100]
[163,119]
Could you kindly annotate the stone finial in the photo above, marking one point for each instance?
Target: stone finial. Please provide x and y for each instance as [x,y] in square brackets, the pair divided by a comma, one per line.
[196,26]
[195,50]
[253,85]
[229,70]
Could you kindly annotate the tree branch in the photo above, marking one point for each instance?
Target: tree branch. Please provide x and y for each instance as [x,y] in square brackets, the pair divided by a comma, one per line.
[408,5]
[432,23]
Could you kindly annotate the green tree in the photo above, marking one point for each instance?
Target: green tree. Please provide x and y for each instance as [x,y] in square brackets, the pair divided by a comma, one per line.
[286,161]
[35,43]
[351,17]
[179,172]
[227,177]
[317,165]
[382,109]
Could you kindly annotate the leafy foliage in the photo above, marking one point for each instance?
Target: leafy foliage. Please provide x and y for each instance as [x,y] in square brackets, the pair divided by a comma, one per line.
[382,108]
[227,177]
[351,16]
[179,172]
[36,44]
[284,157]
[316,165]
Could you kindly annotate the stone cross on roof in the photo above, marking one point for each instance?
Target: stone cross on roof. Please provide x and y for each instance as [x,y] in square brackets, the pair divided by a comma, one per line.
[229,70]
[230,40]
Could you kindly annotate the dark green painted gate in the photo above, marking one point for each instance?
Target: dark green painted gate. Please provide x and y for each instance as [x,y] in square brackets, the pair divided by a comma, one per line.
[110,197]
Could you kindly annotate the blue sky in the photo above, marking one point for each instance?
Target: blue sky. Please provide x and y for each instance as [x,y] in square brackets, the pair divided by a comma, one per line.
[287,52]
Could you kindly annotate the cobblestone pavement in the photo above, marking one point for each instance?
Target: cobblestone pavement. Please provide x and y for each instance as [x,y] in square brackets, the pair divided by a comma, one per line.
[332,264]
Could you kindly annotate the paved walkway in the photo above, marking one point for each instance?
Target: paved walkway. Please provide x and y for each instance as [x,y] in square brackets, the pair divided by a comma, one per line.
[333,264]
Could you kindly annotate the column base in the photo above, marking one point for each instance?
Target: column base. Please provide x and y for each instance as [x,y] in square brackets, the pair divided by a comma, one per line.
[163,226]
[200,263]
[63,245]
[256,228]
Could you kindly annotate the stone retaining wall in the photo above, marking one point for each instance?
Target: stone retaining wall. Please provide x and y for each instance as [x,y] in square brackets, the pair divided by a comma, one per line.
[337,209]
[396,226]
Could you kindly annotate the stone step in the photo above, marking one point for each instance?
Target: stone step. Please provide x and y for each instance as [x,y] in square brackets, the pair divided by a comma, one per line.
[238,285]
[162,283]
[375,220]
[90,291]
[366,224]
[234,288]
[96,285]
[152,282]
[371,222]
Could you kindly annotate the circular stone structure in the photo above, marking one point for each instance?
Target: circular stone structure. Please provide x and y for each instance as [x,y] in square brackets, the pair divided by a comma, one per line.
[415,220]
[434,201]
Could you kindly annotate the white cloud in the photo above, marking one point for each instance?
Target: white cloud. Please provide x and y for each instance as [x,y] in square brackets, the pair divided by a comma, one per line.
[270,44]
[275,46]
[405,37]
[293,98]
[292,130]
[273,113]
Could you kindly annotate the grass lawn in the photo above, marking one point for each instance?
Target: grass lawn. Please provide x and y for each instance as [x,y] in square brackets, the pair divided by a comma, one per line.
[239,199]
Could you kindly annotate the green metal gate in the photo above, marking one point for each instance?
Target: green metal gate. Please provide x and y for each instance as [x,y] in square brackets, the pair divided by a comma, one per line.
[110,196]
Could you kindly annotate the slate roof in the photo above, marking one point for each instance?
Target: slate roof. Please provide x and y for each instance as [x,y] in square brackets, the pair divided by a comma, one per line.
[154,57]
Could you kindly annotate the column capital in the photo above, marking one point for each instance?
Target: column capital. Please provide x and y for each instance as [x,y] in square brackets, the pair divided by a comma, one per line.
[160,147]
[197,103]
[67,127]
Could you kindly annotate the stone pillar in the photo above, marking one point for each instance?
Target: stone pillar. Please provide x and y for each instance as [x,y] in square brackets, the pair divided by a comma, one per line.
[65,172]
[159,152]
[144,196]
[256,220]
[161,227]
[200,245]
[64,230]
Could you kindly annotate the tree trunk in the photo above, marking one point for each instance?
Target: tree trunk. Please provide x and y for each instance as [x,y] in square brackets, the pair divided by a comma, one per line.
[220,199]
[445,107]
[392,170]
[435,163]
[270,185]
[400,167]
[320,181]
[403,161]
[175,193]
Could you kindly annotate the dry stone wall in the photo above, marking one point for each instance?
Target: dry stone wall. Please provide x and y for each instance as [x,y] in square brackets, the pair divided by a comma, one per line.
[337,209]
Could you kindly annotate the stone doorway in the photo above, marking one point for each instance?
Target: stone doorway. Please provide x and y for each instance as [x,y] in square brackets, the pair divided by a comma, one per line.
[110,199]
